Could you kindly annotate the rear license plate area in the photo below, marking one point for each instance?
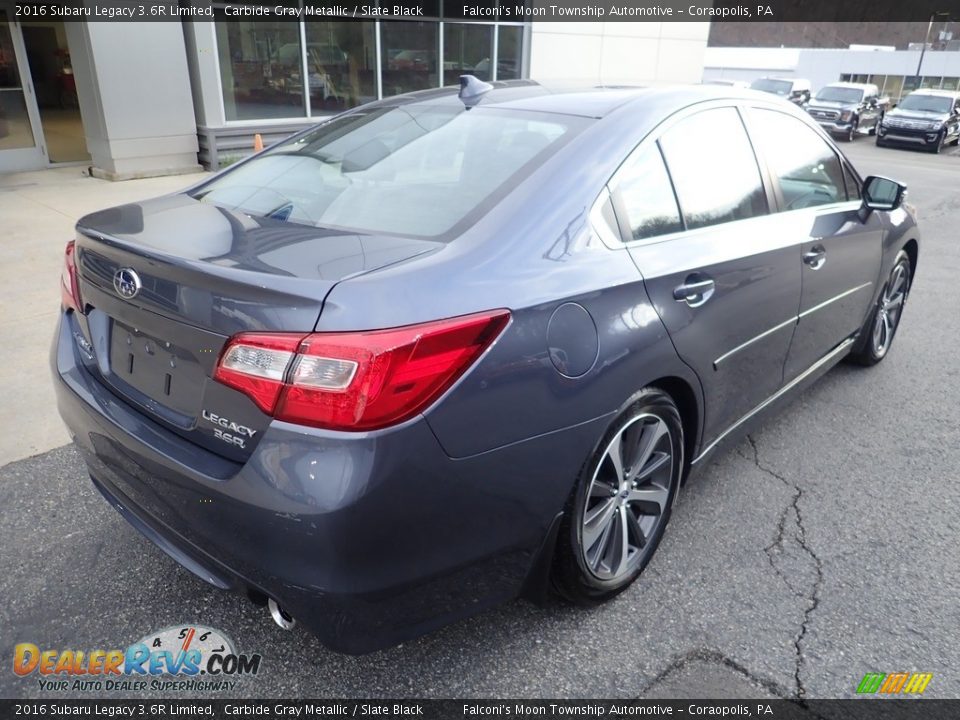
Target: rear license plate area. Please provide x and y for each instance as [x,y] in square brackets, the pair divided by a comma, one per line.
[156,373]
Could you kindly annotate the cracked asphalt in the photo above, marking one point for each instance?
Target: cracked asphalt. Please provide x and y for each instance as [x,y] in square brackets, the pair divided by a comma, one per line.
[820,548]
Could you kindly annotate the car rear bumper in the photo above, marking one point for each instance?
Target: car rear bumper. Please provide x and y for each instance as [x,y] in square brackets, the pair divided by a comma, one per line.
[368,539]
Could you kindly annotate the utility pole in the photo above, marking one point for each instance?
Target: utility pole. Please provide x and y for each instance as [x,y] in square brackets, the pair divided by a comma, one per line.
[926,40]
[923,50]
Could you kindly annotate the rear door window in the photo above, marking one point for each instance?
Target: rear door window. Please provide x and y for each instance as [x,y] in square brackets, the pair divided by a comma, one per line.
[646,196]
[805,166]
[714,170]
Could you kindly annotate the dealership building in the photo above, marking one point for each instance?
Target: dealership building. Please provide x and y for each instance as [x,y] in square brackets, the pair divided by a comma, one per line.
[895,72]
[133,99]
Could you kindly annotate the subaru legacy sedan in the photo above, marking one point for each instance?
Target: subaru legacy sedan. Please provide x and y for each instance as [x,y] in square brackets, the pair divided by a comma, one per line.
[452,348]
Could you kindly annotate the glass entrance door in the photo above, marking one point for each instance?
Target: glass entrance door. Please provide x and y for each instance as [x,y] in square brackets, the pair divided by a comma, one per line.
[19,149]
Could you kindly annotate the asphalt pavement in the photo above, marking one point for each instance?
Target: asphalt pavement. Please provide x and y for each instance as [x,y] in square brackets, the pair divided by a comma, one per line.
[825,546]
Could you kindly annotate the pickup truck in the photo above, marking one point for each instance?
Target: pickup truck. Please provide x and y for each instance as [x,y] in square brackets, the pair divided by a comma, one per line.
[927,119]
[847,109]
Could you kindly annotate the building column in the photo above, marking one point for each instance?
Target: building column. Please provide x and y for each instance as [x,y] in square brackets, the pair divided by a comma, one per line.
[134,91]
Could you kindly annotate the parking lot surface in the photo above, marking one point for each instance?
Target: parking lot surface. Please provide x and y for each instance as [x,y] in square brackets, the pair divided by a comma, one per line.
[825,546]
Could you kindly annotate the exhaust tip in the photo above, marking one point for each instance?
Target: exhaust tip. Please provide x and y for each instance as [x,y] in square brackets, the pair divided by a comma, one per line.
[280,616]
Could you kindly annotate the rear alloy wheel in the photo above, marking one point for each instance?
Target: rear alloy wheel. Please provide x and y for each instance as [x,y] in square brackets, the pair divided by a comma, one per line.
[877,335]
[622,502]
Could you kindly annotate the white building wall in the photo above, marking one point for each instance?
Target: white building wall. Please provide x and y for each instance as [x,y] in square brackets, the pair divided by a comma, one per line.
[134,93]
[645,53]
[825,66]
[738,63]
[821,66]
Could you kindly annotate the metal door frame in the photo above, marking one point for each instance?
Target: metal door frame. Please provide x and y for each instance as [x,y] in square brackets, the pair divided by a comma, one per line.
[31,158]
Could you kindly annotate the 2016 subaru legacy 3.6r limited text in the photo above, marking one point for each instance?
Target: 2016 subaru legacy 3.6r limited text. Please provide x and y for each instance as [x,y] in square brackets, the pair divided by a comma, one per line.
[455,347]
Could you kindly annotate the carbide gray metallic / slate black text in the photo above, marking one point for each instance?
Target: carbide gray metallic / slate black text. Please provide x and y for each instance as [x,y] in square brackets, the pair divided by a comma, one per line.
[438,352]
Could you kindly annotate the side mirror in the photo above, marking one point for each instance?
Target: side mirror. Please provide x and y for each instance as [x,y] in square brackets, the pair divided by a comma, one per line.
[880,193]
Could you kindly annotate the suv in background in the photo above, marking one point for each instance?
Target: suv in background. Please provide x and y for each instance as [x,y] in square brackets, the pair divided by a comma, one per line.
[845,109]
[924,118]
[795,90]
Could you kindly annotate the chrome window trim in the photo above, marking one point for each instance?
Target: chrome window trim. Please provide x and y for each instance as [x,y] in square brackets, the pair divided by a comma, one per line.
[743,107]
[608,236]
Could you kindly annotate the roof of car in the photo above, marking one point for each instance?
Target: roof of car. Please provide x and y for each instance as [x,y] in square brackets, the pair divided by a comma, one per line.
[593,101]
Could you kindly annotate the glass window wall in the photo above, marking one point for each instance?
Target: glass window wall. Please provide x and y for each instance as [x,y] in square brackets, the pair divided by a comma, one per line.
[260,69]
[341,65]
[279,70]
[408,56]
[467,49]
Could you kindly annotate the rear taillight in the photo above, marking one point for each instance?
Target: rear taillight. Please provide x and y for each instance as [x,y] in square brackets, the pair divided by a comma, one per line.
[356,380]
[69,287]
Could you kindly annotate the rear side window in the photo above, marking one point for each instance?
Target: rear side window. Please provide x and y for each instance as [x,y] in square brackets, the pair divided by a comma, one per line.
[713,168]
[806,167]
[647,197]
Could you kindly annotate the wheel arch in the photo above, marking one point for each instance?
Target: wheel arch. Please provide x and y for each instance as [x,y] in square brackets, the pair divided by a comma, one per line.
[687,403]
[912,249]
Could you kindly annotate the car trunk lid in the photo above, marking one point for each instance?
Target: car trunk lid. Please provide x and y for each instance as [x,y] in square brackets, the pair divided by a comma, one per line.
[166,282]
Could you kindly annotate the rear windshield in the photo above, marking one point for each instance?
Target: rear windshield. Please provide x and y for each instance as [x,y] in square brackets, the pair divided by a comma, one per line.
[927,103]
[410,170]
[840,94]
[777,87]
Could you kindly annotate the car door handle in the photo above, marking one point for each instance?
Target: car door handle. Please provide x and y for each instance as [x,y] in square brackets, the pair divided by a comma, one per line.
[815,257]
[695,291]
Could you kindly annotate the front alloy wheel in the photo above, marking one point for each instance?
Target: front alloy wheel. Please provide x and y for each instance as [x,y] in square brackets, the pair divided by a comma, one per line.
[890,309]
[877,335]
[622,503]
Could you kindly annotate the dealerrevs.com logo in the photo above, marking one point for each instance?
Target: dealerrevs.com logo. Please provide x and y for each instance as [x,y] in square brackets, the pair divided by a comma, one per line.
[183,657]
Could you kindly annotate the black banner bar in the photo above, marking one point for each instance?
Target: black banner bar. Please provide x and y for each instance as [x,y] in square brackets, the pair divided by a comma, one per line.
[859,709]
[717,11]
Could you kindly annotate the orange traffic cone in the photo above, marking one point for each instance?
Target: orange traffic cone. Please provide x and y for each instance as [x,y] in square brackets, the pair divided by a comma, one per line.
[257,143]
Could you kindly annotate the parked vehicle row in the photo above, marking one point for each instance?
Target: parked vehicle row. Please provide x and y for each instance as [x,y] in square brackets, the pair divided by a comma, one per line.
[926,118]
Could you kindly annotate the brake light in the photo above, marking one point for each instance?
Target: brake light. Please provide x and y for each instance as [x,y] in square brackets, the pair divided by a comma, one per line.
[356,380]
[69,286]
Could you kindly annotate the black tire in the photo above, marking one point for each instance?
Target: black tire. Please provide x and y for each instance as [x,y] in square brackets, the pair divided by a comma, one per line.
[880,142]
[938,146]
[591,575]
[876,336]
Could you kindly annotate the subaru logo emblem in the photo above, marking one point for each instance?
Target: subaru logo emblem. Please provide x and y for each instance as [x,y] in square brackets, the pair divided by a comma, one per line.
[127,283]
